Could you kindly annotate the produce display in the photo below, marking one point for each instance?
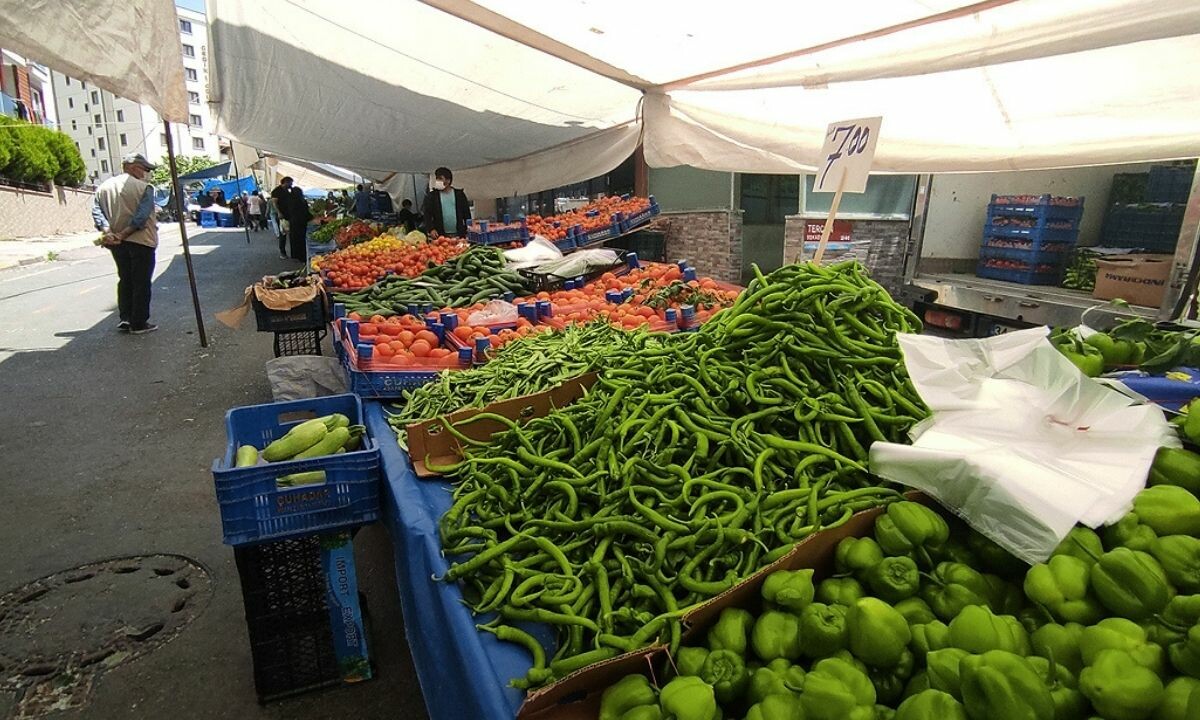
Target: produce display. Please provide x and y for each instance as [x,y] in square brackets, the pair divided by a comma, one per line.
[289,279]
[356,231]
[360,266]
[917,623]
[1132,343]
[324,234]
[531,365]
[596,215]
[462,275]
[1057,200]
[691,463]
[328,435]
[1080,272]
[403,341]
[1005,264]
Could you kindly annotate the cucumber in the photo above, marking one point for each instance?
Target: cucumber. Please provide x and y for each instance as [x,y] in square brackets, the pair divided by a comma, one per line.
[336,420]
[356,435]
[246,456]
[333,440]
[298,439]
[312,477]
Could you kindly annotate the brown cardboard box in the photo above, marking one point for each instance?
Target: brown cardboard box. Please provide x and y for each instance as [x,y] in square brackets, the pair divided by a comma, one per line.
[1136,279]
[429,441]
[577,696]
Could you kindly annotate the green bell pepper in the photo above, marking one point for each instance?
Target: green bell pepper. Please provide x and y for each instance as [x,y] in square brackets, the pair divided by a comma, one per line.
[777,707]
[1130,583]
[855,556]
[930,705]
[1129,532]
[977,630]
[645,712]
[631,691]
[952,587]
[836,690]
[689,698]
[823,629]
[894,579]
[1168,510]
[883,712]
[778,677]
[1124,635]
[919,682]
[776,634]
[1082,543]
[999,684]
[1059,643]
[731,631]
[928,637]
[909,528]
[915,611]
[1119,687]
[789,589]
[1069,703]
[1169,626]
[1185,653]
[839,591]
[877,633]
[1116,351]
[1088,359]
[845,656]
[993,557]
[956,550]
[690,660]
[1179,556]
[1176,466]
[1032,617]
[944,669]
[889,682]
[1191,422]
[1061,586]
[1004,597]
[1177,702]
[726,672]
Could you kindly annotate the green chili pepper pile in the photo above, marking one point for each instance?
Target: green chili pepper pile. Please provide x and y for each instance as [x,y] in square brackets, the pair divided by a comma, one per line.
[478,274]
[688,466]
[528,365]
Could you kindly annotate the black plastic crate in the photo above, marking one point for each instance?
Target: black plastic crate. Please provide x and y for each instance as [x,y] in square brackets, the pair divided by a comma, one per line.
[282,576]
[1152,227]
[293,654]
[1170,183]
[299,342]
[650,245]
[309,316]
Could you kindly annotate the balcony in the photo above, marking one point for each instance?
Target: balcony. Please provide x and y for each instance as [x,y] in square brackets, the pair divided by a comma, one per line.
[7,105]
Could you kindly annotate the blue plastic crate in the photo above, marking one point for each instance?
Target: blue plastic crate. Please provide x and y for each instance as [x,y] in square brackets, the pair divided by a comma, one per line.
[226,220]
[254,509]
[1026,242]
[385,384]
[567,243]
[208,219]
[498,236]
[1017,206]
[629,222]
[1041,235]
[1034,256]
[1024,277]
[1169,183]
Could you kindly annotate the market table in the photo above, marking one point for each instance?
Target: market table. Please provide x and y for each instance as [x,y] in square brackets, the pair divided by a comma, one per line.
[463,672]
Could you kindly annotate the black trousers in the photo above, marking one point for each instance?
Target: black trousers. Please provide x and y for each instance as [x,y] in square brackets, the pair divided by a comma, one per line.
[299,250]
[135,270]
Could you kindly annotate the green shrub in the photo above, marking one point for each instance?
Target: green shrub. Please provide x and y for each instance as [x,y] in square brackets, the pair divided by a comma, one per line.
[71,169]
[32,161]
[7,147]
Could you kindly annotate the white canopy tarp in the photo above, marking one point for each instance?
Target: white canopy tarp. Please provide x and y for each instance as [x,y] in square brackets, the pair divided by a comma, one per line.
[519,95]
[131,49]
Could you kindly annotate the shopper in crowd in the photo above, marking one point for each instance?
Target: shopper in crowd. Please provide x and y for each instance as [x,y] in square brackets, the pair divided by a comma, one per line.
[409,219]
[281,200]
[445,210]
[235,206]
[346,202]
[123,209]
[362,203]
[254,208]
[298,223]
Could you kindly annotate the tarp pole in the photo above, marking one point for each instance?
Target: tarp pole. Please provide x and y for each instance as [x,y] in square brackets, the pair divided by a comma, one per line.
[187,252]
[238,176]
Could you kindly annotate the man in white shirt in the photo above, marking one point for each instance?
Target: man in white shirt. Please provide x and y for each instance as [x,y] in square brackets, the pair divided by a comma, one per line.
[254,210]
[123,209]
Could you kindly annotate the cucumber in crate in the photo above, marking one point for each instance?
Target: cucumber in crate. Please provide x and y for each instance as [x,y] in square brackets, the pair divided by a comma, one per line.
[329,435]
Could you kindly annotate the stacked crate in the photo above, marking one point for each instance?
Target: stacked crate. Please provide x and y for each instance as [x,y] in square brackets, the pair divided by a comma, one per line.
[1027,239]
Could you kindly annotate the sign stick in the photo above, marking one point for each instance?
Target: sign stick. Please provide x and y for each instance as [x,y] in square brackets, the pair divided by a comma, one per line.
[833,208]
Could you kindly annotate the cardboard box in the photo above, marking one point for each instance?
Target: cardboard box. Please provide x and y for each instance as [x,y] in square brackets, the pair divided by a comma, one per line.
[577,696]
[429,442]
[1136,279]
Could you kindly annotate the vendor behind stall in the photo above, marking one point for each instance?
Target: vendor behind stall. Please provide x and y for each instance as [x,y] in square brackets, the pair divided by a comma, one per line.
[445,210]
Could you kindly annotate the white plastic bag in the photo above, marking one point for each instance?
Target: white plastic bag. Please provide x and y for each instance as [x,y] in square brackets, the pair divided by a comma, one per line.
[537,251]
[496,311]
[305,376]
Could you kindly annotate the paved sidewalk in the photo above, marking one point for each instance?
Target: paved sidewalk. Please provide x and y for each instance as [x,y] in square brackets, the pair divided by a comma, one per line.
[27,251]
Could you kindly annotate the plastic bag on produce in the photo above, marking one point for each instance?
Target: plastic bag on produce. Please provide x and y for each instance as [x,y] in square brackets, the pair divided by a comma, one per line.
[496,311]
[537,251]
[579,263]
[305,376]
[1021,444]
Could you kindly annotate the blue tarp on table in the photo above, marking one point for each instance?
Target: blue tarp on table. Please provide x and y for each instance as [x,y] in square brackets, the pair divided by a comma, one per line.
[464,673]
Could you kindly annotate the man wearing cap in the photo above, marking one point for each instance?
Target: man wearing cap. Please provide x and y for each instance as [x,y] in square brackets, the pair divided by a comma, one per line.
[123,210]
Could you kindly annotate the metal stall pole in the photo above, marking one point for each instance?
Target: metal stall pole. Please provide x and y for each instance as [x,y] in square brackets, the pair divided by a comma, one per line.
[187,252]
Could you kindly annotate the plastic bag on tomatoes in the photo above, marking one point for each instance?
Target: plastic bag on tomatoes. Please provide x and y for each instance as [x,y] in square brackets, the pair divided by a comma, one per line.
[495,311]
[416,237]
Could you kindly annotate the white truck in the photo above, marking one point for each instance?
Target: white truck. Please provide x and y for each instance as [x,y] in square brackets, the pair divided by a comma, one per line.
[944,248]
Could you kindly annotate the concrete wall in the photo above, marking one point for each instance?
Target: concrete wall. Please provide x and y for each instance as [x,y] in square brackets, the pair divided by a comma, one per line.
[711,241]
[28,213]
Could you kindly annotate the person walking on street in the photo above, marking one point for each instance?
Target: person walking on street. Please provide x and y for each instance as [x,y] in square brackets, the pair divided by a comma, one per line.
[123,209]
[362,203]
[298,222]
[254,203]
[445,210]
[281,201]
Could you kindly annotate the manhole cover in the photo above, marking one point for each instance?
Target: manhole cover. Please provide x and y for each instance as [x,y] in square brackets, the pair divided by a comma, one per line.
[58,633]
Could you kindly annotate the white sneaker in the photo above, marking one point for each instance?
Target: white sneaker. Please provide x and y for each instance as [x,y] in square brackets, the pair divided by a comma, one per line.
[148,328]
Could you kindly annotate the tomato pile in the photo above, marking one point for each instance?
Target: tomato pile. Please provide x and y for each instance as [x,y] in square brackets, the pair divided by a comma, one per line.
[359,266]
[356,232]
[555,226]
[466,334]
[402,341]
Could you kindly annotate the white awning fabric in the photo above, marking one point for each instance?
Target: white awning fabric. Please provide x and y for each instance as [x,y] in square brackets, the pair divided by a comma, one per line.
[521,95]
[131,48]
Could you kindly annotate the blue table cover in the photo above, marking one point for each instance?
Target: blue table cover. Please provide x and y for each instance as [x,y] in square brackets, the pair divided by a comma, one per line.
[1171,390]
[464,673]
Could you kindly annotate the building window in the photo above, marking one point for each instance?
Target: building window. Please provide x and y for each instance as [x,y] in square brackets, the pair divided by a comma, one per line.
[71,103]
[89,129]
[93,152]
[194,120]
[185,26]
[68,80]
[162,138]
[100,143]
[74,126]
[197,143]
[766,199]
[120,116]
[96,120]
[103,166]
[124,140]
[188,50]
[86,107]
[191,73]
[95,97]
[193,97]
[77,146]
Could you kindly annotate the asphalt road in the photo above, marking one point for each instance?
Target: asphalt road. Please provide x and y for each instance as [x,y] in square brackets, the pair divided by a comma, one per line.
[106,450]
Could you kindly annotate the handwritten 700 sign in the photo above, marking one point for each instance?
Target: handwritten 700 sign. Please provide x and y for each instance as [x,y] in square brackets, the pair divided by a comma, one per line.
[845,159]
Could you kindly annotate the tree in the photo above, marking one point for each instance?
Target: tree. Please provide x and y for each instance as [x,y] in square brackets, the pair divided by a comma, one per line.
[161,175]
[71,169]
[32,160]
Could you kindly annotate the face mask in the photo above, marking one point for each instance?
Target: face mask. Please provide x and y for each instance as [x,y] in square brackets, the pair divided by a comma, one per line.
[439,185]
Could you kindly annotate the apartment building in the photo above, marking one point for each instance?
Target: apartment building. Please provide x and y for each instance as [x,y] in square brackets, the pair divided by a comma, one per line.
[25,89]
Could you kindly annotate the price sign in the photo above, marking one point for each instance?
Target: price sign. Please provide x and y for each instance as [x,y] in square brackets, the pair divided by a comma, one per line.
[845,159]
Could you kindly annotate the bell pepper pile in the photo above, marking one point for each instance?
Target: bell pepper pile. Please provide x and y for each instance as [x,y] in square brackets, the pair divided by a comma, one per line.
[688,466]
[916,623]
[1132,343]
